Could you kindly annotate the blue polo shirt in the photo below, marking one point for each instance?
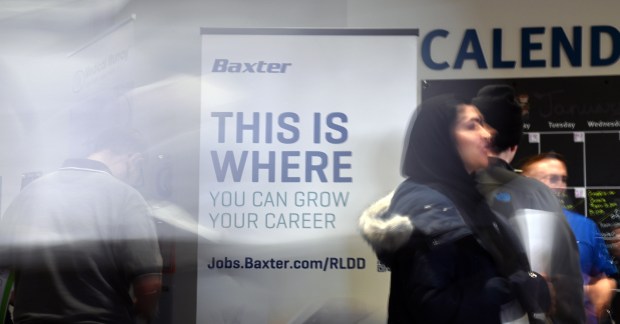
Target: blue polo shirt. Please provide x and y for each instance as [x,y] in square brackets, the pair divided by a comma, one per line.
[594,256]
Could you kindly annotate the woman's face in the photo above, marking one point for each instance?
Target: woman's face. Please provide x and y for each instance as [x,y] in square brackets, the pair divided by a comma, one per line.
[472,138]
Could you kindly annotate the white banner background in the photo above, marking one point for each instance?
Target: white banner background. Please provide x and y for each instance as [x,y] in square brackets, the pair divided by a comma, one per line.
[343,93]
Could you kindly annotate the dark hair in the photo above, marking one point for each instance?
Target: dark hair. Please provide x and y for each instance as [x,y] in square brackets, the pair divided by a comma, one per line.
[430,153]
[500,109]
[527,162]
[432,159]
[119,140]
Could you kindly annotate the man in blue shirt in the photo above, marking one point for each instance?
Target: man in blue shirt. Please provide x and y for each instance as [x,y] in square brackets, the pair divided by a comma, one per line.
[597,267]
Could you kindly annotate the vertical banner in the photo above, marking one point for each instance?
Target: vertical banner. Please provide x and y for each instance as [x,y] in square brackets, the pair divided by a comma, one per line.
[301,130]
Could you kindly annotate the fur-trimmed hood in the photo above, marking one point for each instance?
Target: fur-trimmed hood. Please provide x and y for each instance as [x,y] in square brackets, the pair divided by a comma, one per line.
[384,232]
[412,209]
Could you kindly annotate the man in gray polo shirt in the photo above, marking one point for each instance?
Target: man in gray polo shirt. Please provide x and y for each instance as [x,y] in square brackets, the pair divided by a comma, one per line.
[81,241]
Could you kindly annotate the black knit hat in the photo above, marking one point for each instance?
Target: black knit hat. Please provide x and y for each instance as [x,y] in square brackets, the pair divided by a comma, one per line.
[500,109]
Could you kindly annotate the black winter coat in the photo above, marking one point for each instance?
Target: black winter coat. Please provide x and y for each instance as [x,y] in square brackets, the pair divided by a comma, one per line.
[440,273]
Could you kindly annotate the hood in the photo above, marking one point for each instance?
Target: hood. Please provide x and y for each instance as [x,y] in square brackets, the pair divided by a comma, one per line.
[381,229]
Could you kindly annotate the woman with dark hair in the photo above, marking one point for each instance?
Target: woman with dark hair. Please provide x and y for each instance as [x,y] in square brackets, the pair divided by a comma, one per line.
[451,259]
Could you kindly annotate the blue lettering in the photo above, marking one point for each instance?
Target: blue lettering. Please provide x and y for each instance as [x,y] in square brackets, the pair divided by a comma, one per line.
[234,67]
[219,65]
[254,127]
[294,137]
[560,40]
[270,166]
[228,164]
[221,124]
[249,67]
[317,167]
[426,50]
[597,59]
[527,46]
[338,128]
[470,38]
[269,127]
[316,136]
[314,163]
[338,166]
[268,199]
[497,52]
[228,198]
[286,165]
[224,65]
[331,124]
[562,45]
[268,224]
[290,133]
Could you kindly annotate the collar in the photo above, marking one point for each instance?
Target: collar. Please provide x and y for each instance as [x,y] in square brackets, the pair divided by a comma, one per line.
[85,165]
[497,162]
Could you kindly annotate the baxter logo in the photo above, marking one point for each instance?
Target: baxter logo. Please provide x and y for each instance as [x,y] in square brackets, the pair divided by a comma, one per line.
[226,66]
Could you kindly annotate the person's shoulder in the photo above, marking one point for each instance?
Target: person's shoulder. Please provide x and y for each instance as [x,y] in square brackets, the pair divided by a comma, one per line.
[421,203]
[413,195]
[507,179]
[389,222]
[431,211]
[104,179]
[495,175]
[117,190]
[580,223]
[501,170]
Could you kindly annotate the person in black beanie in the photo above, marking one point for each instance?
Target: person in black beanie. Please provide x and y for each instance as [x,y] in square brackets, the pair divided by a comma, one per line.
[451,259]
[507,192]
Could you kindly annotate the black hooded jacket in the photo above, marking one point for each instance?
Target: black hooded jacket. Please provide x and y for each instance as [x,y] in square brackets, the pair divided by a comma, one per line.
[452,260]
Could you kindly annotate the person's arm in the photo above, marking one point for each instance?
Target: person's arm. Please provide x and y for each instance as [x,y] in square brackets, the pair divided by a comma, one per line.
[141,258]
[146,291]
[600,292]
[600,289]
[602,259]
